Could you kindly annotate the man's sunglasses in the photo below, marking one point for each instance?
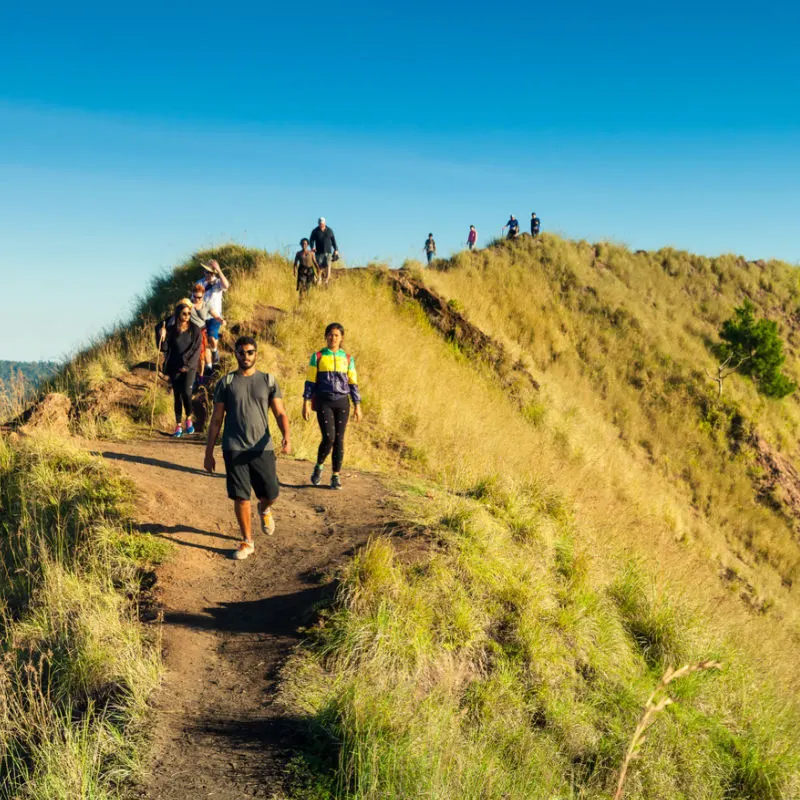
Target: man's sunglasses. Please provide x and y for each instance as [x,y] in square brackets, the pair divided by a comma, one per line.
[250,352]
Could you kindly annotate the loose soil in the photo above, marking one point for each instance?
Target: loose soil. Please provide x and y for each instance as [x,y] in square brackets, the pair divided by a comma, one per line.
[229,626]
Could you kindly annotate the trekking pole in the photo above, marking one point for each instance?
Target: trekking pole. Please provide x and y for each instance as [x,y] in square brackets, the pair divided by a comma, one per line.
[155,387]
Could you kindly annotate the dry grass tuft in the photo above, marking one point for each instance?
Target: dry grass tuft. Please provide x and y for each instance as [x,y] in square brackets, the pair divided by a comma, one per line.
[657,702]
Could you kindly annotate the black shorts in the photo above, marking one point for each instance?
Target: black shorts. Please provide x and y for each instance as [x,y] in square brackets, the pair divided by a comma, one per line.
[248,471]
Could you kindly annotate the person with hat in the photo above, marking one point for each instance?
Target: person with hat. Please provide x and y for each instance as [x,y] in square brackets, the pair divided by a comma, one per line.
[201,314]
[323,245]
[181,342]
[430,248]
[215,285]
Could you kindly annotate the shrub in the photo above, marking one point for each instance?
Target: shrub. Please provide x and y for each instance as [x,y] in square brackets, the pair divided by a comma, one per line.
[755,349]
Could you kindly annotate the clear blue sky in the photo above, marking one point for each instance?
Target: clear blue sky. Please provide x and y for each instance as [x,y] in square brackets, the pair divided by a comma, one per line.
[132,136]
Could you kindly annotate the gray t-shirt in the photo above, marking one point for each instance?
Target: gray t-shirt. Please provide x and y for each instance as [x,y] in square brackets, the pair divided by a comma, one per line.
[247,400]
[200,315]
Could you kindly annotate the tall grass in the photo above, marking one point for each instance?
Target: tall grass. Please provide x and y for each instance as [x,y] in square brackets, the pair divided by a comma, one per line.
[500,667]
[77,668]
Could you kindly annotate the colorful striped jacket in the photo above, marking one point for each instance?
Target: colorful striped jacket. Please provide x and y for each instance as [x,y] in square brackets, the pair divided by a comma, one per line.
[332,374]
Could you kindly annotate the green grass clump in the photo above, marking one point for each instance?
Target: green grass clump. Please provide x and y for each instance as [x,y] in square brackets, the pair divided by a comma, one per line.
[77,667]
[499,667]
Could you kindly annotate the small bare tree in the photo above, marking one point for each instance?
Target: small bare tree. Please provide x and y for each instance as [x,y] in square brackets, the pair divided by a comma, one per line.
[723,370]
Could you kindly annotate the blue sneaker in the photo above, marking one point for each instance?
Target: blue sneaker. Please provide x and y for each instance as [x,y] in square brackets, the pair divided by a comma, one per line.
[178,432]
[189,426]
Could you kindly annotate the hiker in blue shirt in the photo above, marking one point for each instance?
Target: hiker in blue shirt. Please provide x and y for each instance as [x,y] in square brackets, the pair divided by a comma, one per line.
[535,224]
[513,227]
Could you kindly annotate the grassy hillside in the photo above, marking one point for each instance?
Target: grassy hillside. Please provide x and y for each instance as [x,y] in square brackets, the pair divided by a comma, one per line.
[580,538]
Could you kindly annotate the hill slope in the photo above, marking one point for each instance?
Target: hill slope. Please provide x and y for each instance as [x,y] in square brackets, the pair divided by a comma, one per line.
[592,514]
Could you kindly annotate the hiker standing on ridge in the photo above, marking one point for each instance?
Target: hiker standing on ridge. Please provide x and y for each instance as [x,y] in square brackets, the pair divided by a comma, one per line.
[331,383]
[241,400]
[430,248]
[323,245]
[472,237]
[181,342]
[215,284]
[535,225]
[305,268]
[513,227]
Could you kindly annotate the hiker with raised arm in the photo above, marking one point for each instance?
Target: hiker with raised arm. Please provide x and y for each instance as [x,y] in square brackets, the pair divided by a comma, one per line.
[201,314]
[513,227]
[472,237]
[216,284]
[181,342]
[242,401]
[305,268]
[430,248]
[331,384]
[535,225]
[323,245]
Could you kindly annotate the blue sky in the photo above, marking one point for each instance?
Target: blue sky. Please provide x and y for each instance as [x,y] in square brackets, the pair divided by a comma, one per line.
[131,137]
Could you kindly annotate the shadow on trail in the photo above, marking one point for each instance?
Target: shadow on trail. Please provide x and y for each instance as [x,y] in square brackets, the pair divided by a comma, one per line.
[270,743]
[221,551]
[158,529]
[155,462]
[280,615]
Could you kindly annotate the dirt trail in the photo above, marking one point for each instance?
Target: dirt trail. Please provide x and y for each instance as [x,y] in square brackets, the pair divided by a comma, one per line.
[228,626]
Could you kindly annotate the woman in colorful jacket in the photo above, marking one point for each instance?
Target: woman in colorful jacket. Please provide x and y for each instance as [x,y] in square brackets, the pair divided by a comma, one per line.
[331,383]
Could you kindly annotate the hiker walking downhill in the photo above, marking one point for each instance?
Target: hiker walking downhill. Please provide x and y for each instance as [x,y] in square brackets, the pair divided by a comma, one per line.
[201,314]
[472,237]
[216,284]
[535,225]
[242,400]
[513,227]
[305,268]
[323,245]
[430,248]
[181,342]
[331,383]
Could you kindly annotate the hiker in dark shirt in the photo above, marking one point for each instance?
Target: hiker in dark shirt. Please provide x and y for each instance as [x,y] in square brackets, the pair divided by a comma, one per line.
[430,248]
[323,245]
[182,343]
[513,227]
[535,224]
[305,268]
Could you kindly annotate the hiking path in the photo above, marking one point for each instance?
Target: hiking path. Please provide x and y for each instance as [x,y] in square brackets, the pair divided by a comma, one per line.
[228,626]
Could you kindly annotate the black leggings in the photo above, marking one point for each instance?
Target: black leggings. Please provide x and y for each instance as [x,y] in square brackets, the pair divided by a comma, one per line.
[332,416]
[182,384]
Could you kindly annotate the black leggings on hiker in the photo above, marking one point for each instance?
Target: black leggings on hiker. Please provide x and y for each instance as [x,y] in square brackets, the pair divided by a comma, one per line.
[182,384]
[332,416]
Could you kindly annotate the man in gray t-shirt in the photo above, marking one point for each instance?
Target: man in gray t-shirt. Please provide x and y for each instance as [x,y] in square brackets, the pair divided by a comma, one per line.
[242,400]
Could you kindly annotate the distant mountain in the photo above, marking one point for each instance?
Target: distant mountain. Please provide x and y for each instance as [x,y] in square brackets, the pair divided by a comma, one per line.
[33,372]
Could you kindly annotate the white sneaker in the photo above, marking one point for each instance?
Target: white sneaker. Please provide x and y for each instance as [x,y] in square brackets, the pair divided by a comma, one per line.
[244,550]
